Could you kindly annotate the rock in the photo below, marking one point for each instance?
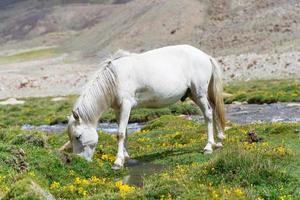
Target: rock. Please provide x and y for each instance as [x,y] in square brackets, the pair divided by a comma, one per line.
[237,103]
[27,189]
[11,101]
[252,137]
[34,84]
[58,99]
[293,105]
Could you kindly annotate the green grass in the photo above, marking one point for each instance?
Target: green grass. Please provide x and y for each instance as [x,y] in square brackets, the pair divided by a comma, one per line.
[29,55]
[264,91]
[268,170]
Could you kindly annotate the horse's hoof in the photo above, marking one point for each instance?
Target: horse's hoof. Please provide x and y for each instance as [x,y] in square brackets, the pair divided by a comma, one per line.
[221,136]
[208,151]
[116,167]
[219,145]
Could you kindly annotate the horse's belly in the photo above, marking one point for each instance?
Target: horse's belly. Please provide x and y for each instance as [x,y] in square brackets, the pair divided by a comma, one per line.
[146,97]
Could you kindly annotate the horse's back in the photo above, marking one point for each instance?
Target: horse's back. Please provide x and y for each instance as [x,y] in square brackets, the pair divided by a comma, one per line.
[162,74]
[171,59]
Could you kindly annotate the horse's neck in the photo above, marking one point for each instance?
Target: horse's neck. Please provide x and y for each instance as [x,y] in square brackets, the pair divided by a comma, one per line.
[98,96]
[92,109]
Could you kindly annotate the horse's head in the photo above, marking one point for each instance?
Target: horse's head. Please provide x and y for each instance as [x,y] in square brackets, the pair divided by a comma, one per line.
[83,136]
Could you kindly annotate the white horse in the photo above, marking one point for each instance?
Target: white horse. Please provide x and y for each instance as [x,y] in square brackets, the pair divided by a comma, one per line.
[155,78]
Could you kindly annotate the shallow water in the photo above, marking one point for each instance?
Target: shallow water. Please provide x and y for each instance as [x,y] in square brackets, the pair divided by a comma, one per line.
[106,127]
[257,113]
[239,114]
[138,170]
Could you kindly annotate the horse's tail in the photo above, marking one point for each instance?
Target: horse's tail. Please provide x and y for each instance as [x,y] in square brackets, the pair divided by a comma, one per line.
[215,93]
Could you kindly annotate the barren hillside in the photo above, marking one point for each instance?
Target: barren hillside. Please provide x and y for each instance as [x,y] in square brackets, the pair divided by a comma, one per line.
[251,38]
[217,26]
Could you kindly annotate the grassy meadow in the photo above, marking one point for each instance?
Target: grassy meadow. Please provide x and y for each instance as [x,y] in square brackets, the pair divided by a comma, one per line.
[241,170]
[31,167]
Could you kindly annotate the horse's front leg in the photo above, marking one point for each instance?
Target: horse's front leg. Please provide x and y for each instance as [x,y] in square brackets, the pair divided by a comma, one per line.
[123,118]
[126,154]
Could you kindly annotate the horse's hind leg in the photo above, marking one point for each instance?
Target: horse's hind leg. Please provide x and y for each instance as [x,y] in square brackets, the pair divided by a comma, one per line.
[123,118]
[200,98]
[218,129]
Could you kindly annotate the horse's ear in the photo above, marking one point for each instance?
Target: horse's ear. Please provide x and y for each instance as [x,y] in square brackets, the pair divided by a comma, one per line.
[75,115]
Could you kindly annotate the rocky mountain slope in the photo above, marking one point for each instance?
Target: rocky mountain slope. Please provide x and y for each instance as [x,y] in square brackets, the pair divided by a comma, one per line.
[252,39]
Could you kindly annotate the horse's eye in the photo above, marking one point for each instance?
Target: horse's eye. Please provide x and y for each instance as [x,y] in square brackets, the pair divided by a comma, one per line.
[78,137]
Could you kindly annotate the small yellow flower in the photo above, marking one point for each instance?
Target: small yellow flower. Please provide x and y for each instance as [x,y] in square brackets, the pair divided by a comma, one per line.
[215,194]
[82,192]
[32,174]
[238,192]
[108,157]
[118,184]
[124,188]
[260,198]
[54,185]
[85,182]
[71,188]
[77,181]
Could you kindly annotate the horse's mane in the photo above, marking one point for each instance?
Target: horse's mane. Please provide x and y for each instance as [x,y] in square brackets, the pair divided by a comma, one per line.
[100,92]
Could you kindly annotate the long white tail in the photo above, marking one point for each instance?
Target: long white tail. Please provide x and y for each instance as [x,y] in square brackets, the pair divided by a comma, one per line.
[215,93]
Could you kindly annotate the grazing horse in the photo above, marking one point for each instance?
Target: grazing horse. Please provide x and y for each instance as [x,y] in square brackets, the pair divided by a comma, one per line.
[152,79]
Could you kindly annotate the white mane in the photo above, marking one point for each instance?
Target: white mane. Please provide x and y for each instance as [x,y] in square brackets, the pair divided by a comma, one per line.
[99,93]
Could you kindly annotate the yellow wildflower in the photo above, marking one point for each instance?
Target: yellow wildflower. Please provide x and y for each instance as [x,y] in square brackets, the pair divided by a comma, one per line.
[108,157]
[71,188]
[280,151]
[32,174]
[215,194]
[82,192]
[85,182]
[54,185]
[94,179]
[238,192]
[124,188]
[77,181]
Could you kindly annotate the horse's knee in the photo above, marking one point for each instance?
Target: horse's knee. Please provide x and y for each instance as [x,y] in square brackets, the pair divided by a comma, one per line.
[121,136]
[208,116]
